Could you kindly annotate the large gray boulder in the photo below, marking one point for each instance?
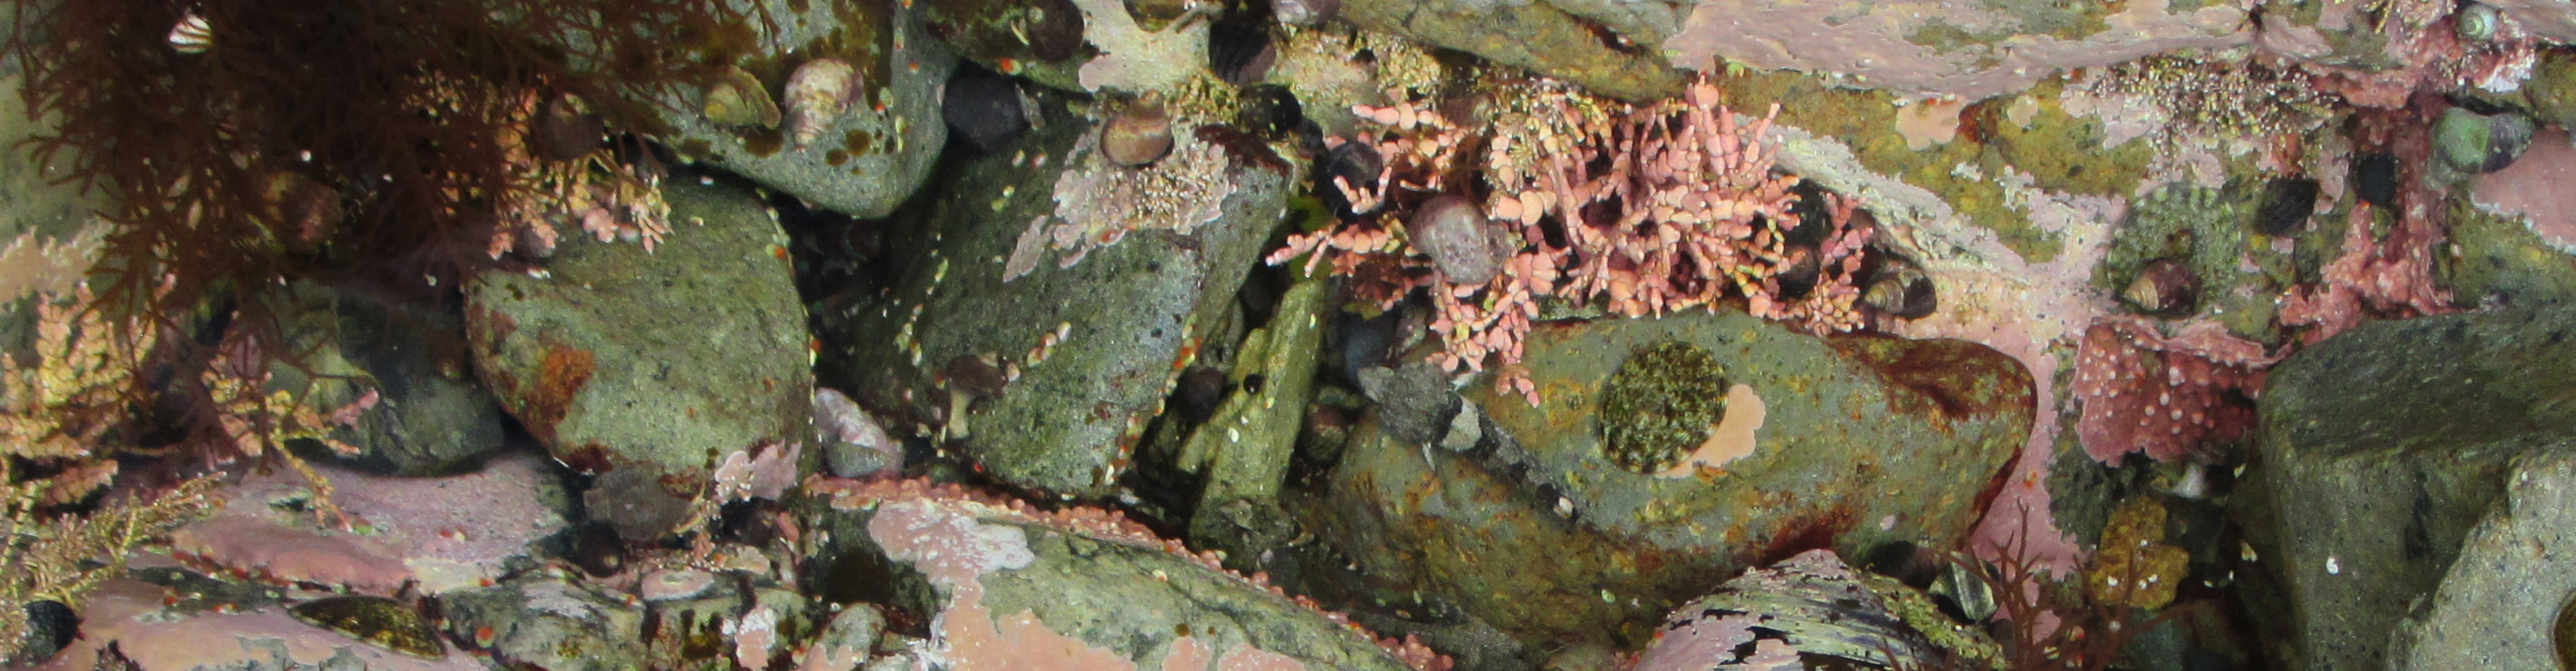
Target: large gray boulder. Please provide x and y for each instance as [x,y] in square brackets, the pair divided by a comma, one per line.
[2378,452]
[1051,298]
[1860,441]
[648,367]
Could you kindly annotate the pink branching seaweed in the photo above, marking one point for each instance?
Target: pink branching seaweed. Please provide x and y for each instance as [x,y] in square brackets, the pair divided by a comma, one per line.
[1644,209]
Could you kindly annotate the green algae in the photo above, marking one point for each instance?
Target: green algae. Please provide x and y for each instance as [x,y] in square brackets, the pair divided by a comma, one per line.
[2061,152]
[1662,403]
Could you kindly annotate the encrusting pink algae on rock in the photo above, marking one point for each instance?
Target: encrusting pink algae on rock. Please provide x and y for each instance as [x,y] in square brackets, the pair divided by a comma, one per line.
[969,545]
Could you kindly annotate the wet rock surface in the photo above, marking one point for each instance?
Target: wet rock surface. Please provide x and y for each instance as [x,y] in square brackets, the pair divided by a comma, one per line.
[1814,606]
[639,365]
[1539,533]
[430,416]
[1080,324]
[1534,35]
[2502,603]
[1011,585]
[2374,469]
[406,533]
[874,144]
[550,622]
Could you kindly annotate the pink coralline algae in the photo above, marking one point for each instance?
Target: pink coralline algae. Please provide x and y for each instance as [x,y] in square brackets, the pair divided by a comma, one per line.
[1649,209]
[156,637]
[949,533]
[414,532]
[2166,396]
[2375,276]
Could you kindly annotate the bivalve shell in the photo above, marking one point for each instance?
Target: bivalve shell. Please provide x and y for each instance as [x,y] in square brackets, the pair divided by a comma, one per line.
[737,99]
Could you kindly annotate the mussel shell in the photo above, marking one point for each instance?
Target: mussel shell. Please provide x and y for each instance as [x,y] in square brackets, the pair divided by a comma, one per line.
[983,107]
[1354,162]
[379,621]
[1269,111]
[1240,50]
[565,129]
[736,98]
[51,627]
[2374,178]
[2287,203]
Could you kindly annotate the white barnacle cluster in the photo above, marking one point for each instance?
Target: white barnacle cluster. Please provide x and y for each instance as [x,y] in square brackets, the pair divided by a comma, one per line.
[1097,202]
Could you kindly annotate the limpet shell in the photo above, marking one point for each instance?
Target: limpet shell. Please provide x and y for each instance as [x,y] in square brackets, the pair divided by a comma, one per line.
[382,622]
[737,99]
[817,94]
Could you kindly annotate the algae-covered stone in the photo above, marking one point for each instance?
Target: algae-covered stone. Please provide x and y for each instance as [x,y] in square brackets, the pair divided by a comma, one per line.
[1097,291]
[2378,449]
[2503,604]
[875,146]
[999,581]
[1534,35]
[1850,442]
[648,366]
[2501,261]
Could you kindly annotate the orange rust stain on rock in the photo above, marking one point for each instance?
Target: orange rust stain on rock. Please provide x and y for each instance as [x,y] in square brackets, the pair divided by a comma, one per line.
[562,372]
[1948,379]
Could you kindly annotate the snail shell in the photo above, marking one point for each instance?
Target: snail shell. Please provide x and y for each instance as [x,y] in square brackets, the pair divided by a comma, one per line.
[817,94]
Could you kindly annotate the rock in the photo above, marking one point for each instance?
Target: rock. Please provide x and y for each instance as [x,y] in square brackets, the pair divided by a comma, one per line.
[1090,297]
[756,628]
[1812,608]
[853,445]
[430,417]
[847,639]
[1006,585]
[1919,49]
[2378,451]
[1041,41]
[2548,20]
[1538,532]
[131,616]
[1414,400]
[645,367]
[409,530]
[1534,35]
[550,621]
[1242,450]
[2498,604]
[2503,259]
[2528,193]
[868,157]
